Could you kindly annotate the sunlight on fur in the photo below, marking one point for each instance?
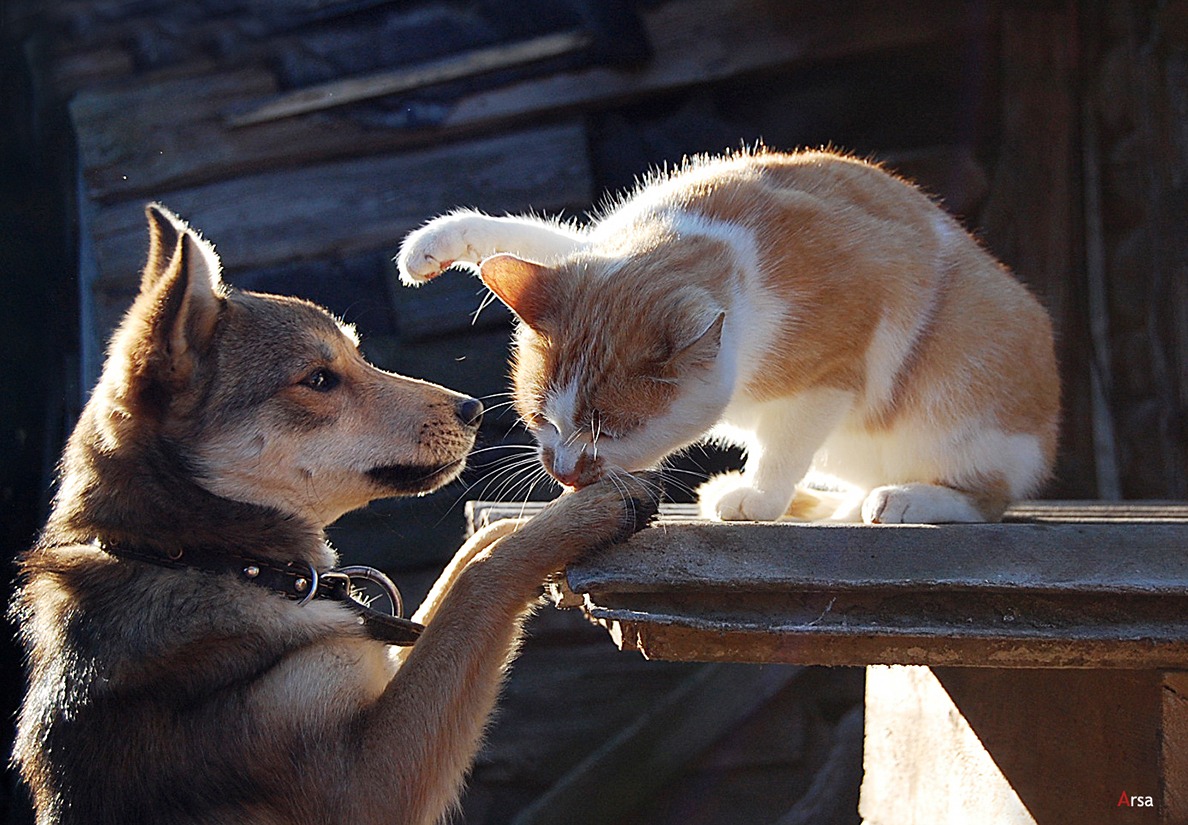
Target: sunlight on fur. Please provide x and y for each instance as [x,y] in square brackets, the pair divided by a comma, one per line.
[810,307]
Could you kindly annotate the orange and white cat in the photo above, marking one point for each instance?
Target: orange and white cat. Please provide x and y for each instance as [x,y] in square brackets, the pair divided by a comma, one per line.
[810,307]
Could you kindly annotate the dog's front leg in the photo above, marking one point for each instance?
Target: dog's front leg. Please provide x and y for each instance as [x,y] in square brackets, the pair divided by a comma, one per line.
[419,739]
[480,542]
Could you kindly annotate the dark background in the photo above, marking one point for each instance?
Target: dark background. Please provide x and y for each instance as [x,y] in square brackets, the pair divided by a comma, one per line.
[1057,131]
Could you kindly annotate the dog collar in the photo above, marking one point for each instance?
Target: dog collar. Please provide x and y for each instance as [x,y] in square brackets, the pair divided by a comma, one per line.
[298,582]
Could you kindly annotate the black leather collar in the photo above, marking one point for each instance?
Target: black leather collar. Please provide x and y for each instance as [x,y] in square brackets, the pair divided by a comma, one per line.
[301,583]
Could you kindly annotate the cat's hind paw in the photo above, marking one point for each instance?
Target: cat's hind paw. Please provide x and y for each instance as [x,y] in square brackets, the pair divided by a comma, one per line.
[918,504]
[728,497]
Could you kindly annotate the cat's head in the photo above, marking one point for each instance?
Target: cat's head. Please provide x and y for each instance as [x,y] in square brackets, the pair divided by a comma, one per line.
[617,364]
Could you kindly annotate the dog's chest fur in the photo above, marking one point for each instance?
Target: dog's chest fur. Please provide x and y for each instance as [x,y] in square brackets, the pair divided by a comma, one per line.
[160,659]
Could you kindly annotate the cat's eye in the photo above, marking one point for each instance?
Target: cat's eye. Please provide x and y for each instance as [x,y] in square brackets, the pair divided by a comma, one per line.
[321,380]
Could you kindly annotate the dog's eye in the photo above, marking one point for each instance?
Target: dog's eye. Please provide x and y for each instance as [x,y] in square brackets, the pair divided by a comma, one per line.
[321,380]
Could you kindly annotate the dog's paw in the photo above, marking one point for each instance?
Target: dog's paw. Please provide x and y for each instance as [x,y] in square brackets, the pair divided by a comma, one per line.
[918,504]
[607,512]
[642,492]
[729,497]
[440,244]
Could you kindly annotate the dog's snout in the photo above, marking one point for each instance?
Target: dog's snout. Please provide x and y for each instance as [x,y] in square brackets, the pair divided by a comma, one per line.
[470,411]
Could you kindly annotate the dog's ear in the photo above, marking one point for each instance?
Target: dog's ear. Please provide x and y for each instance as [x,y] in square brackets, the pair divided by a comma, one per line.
[165,229]
[175,314]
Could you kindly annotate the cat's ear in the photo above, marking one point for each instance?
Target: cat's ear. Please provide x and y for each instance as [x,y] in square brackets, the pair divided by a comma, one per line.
[698,345]
[523,285]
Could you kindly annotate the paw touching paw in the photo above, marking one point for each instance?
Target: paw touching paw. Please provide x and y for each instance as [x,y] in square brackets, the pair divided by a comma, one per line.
[603,513]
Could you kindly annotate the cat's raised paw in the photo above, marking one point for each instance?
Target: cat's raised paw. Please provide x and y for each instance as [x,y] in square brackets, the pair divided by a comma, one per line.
[918,504]
[434,248]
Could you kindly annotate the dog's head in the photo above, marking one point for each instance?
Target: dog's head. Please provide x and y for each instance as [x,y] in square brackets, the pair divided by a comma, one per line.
[267,399]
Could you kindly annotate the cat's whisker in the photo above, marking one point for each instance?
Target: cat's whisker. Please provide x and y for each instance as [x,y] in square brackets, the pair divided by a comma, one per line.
[657,486]
[516,423]
[486,302]
[466,490]
[531,481]
[513,447]
[500,475]
[507,402]
[510,477]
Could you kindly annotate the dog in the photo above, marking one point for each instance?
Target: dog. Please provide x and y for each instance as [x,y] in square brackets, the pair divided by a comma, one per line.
[193,654]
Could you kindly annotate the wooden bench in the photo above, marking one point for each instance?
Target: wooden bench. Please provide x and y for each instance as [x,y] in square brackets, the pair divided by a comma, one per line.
[1027,672]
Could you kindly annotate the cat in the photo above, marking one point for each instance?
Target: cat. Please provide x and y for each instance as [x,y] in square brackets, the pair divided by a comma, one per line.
[811,307]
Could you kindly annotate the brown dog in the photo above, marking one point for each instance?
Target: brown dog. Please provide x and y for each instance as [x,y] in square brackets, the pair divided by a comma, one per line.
[167,684]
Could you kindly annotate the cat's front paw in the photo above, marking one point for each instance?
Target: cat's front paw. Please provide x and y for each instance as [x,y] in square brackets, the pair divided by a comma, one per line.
[438,245]
[729,497]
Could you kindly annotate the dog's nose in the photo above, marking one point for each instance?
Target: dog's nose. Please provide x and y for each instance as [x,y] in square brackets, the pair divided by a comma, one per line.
[470,411]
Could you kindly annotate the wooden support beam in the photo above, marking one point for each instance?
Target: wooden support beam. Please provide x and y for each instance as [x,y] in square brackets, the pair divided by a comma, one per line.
[1044,747]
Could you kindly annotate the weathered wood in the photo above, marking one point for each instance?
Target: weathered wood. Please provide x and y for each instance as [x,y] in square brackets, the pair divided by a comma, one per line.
[1137,96]
[1029,221]
[701,41]
[657,745]
[1105,449]
[336,209]
[1085,590]
[354,205]
[349,90]
[1021,746]
[694,42]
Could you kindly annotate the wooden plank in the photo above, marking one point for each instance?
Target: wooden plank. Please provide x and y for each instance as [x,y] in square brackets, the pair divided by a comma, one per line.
[1142,559]
[692,637]
[379,84]
[694,42]
[923,763]
[1054,511]
[349,206]
[703,41]
[1173,768]
[657,745]
[1084,593]
[1137,92]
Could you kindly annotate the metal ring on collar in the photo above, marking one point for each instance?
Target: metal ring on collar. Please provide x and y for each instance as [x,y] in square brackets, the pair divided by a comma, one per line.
[362,571]
[312,586]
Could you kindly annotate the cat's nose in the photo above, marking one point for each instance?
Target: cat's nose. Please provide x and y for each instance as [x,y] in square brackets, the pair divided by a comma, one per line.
[470,412]
[569,479]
